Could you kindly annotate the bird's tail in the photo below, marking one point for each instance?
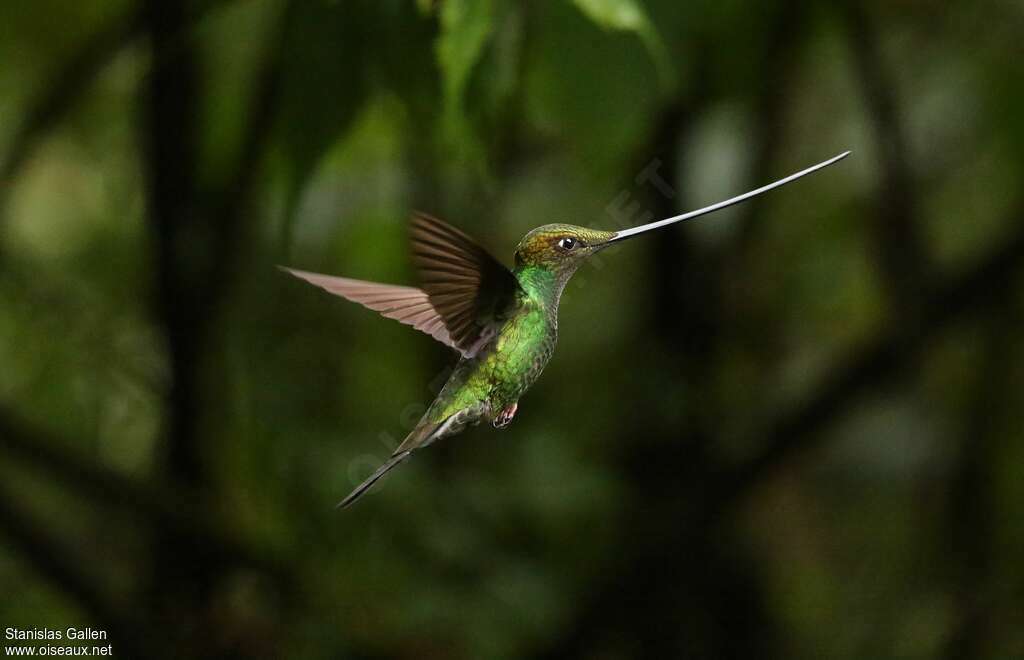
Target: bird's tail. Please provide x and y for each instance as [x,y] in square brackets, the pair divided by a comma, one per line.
[365,486]
[421,436]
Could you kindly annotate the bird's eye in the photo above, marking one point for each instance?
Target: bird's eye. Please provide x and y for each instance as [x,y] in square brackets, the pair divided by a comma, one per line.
[567,243]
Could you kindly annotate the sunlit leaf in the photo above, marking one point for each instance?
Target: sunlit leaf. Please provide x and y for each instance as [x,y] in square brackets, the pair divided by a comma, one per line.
[466,26]
[322,90]
[630,16]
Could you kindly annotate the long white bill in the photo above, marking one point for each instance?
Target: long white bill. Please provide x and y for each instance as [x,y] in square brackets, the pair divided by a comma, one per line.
[627,233]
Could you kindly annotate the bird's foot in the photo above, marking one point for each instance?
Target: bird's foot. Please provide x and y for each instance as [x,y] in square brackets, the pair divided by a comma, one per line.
[504,418]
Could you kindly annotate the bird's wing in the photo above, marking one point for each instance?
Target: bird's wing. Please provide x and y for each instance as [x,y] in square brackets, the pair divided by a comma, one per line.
[468,287]
[405,304]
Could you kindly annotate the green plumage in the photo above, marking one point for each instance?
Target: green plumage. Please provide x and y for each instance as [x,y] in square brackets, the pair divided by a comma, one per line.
[505,367]
[491,381]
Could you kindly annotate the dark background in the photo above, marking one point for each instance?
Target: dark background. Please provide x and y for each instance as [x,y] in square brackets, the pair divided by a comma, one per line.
[788,430]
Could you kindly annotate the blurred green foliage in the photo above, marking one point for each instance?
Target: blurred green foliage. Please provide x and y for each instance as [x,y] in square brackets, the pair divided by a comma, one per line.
[787,430]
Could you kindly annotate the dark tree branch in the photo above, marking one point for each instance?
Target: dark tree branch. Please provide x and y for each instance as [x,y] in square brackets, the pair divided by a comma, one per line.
[181,232]
[185,235]
[903,257]
[197,240]
[770,104]
[236,192]
[751,314]
[971,503]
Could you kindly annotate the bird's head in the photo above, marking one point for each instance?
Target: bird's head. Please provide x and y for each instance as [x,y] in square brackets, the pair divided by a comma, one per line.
[560,248]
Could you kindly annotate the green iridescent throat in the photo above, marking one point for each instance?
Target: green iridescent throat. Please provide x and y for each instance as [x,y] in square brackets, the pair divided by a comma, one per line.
[542,285]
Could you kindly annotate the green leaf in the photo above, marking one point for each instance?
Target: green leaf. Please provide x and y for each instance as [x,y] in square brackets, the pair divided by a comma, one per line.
[325,84]
[466,27]
[630,16]
[614,14]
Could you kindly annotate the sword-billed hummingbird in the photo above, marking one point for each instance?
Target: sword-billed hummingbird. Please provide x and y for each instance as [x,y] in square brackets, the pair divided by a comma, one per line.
[503,322]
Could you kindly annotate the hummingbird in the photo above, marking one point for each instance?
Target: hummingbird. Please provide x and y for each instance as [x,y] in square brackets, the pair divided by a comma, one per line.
[503,323]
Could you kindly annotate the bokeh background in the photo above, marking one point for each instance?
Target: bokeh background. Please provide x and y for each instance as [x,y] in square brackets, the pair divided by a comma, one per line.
[788,430]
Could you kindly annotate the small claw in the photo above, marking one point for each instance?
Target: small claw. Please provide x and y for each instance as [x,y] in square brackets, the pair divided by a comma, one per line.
[504,418]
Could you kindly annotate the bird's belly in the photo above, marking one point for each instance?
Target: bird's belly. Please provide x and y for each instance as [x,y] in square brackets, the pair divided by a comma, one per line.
[501,372]
[521,352]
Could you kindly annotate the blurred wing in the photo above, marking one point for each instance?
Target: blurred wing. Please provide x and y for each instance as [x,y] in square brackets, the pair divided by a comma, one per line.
[403,303]
[468,287]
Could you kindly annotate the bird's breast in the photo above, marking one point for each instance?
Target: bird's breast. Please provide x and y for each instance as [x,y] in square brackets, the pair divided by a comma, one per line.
[503,369]
[520,352]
